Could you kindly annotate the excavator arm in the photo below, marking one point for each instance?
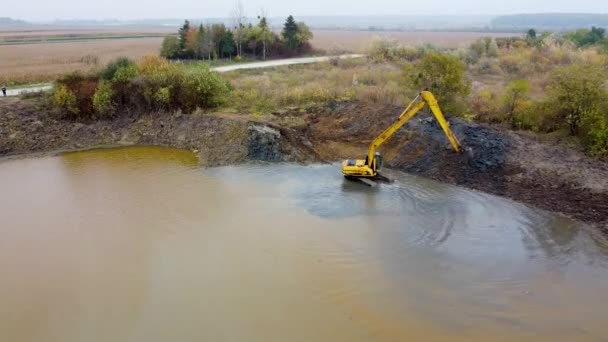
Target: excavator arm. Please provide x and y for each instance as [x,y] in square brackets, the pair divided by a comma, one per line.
[368,167]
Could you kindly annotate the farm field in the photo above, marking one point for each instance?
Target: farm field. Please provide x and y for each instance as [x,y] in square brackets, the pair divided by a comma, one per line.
[31,63]
[42,31]
[358,41]
[42,62]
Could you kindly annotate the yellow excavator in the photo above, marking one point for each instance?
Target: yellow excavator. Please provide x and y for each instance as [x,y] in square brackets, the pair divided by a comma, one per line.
[367,170]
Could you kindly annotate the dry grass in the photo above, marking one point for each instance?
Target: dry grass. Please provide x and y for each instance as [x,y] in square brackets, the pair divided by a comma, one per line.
[264,91]
[21,64]
[359,41]
[37,31]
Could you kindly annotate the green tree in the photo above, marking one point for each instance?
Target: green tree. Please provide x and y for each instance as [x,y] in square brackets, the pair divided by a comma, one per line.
[515,100]
[227,46]
[531,35]
[576,93]
[586,37]
[444,76]
[290,33]
[265,34]
[217,33]
[200,42]
[304,34]
[183,34]
[170,47]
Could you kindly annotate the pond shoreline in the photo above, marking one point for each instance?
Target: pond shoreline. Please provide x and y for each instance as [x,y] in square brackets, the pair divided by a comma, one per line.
[509,164]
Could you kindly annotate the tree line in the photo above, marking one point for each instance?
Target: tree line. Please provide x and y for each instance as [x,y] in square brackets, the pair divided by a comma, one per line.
[217,41]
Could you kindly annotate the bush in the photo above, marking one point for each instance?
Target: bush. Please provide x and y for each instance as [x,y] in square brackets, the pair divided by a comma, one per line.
[483,47]
[110,70]
[170,47]
[154,84]
[103,101]
[487,66]
[65,101]
[444,76]
[515,101]
[202,88]
[83,88]
[576,93]
[596,141]
[485,106]
[125,73]
[384,50]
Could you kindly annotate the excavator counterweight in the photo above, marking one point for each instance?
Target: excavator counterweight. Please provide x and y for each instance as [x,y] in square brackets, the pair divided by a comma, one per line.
[368,168]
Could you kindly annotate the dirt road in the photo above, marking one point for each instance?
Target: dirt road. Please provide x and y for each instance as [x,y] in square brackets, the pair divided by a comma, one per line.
[254,65]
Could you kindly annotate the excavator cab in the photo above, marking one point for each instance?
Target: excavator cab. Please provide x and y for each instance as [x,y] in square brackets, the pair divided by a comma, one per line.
[367,168]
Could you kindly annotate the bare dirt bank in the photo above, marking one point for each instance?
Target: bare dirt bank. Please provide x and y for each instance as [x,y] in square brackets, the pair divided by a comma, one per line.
[505,163]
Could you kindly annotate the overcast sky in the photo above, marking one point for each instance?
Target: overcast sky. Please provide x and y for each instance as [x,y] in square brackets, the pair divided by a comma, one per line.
[149,9]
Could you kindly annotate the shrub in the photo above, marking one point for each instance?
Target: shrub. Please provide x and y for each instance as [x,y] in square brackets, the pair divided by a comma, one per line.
[596,141]
[202,88]
[483,47]
[384,50]
[83,88]
[170,47]
[163,97]
[110,70]
[443,75]
[65,101]
[487,66]
[125,73]
[576,92]
[103,102]
[485,106]
[515,101]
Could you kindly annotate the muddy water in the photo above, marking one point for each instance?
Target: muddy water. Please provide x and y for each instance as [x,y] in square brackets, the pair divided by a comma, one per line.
[139,244]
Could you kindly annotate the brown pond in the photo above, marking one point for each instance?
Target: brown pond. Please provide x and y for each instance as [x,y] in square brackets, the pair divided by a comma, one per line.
[140,244]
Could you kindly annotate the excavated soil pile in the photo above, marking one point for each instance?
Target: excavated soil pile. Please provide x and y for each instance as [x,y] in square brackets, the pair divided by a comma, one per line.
[505,163]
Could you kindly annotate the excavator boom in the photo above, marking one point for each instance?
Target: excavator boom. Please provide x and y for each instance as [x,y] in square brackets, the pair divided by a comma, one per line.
[368,168]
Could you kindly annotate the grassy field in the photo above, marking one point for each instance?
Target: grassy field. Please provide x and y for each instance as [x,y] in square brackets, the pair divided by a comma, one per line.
[32,63]
[38,60]
[262,91]
[359,41]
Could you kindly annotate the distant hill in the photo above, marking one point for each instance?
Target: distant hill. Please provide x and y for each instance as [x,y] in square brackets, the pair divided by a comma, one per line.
[550,21]
[378,23]
[5,21]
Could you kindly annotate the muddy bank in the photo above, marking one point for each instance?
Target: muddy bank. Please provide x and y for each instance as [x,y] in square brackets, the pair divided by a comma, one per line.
[508,164]
[505,163]
[217,139]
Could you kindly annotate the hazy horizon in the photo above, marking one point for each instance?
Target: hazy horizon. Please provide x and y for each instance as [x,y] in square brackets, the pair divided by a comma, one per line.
[38,10]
